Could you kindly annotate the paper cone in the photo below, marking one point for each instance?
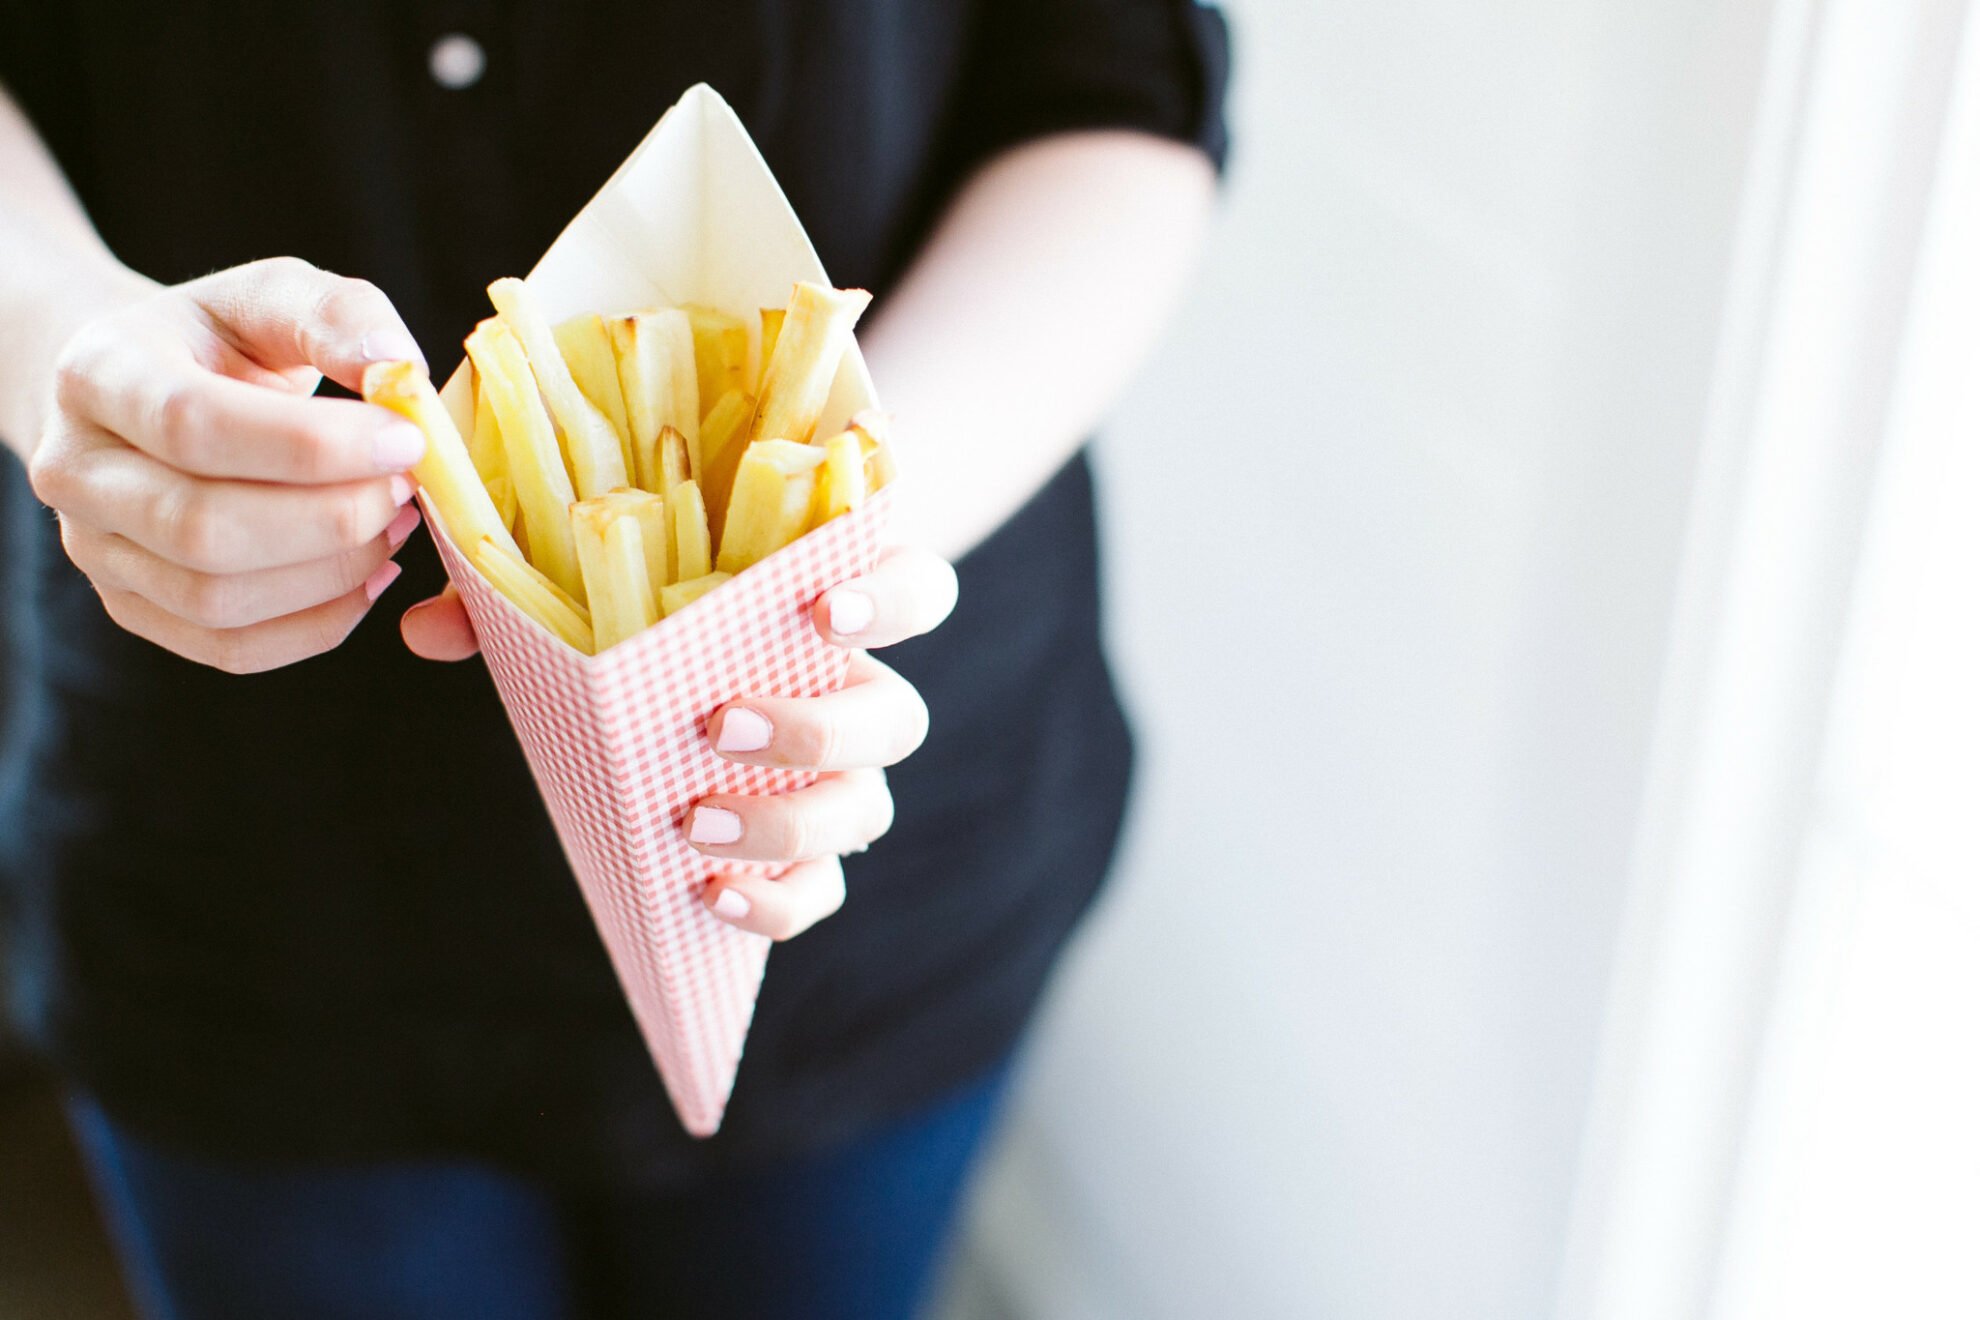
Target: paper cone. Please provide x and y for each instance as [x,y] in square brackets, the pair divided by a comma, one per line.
[618,742]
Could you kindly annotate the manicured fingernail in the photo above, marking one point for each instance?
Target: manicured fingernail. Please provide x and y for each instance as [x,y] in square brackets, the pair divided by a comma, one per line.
[850,612]
[730,905]
[397,447]
[374,586]
[402,488]
[389,346]
[714,825]
[743,730]
[402,526]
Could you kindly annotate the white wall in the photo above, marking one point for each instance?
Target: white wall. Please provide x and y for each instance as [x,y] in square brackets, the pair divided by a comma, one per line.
[1326,1049]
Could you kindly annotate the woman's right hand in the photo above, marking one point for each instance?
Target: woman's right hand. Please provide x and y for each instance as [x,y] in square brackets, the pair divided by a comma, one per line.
[218,509]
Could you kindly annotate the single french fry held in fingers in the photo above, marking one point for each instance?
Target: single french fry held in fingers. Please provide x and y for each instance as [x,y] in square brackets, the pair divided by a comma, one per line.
[533,593]
[597,463]
[587,349]
[841,478]
[446,471]
[536,464]
[623,598]
[771,503]
[724,436]
[657,375]
[676,596]
[721,352]
[772,319]
[693,546]
[816,332]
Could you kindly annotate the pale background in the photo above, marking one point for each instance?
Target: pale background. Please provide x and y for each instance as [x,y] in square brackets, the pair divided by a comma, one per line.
[1326,1049]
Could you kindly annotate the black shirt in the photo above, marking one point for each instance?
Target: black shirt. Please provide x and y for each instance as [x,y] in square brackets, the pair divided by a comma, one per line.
[319,912]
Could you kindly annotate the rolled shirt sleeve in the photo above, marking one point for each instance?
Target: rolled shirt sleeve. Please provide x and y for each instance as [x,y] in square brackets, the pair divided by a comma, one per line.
[1039,67]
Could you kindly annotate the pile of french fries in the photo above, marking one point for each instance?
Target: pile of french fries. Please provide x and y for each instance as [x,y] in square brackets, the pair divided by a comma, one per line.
[622,467]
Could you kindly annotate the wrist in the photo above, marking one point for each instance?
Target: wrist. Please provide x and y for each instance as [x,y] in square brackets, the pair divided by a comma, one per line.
[38,317]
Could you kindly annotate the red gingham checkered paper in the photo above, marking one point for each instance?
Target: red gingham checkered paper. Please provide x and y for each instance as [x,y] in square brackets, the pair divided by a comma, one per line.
[619,747]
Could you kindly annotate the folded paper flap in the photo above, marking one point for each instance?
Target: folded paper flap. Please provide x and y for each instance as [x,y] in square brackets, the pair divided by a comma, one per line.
[636,245]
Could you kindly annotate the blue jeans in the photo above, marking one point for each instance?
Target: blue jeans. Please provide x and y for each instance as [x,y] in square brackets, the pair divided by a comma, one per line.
[853,1232]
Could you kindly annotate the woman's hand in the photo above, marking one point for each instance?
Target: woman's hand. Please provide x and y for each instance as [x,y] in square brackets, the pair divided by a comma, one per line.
[876,720]
[218,509]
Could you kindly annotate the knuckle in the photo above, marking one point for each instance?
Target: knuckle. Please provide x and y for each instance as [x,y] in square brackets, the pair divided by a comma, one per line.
[232,651]
[213,600]
[347,299]
[814,742]
[178,418]
[792,832]
[76,366]
[284,270]
[195,532]
[349,520]
[49,472]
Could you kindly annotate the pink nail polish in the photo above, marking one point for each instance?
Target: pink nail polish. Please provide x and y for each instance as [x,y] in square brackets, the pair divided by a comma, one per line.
[401,526]
[402,488]
[714,825]
[386,574]
[389,346]
[730,905]
[397,447]
[743,730]
[850,612]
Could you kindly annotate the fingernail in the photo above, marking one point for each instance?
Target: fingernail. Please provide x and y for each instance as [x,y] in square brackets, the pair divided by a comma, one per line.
[714,825]
[401,526]
[849,612]
[397,447]
[374,586]
[402,488]
[730,905]
[743,730]
[389,346]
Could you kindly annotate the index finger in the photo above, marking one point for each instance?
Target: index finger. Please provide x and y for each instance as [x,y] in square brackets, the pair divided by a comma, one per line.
[908,593]
[163,402]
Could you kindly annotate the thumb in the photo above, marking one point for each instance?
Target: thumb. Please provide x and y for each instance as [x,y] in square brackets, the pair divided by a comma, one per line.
[285,313]
[438,628]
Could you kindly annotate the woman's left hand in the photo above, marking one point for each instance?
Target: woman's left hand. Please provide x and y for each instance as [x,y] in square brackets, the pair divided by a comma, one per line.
[876,720]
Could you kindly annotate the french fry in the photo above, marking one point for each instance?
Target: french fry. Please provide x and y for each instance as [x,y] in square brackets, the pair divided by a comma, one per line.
[597,464]
[657,376]
[771,502]
[841,478]
[485,447]
[536,465]
[692,553]
[623,598]
[664,464]
[773,322]
[873,428]
[724,436]
[679,595]
[721,352]
[816,331]
[656,535]
[587,350]
[445,471]
[503,491]
[533,593]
